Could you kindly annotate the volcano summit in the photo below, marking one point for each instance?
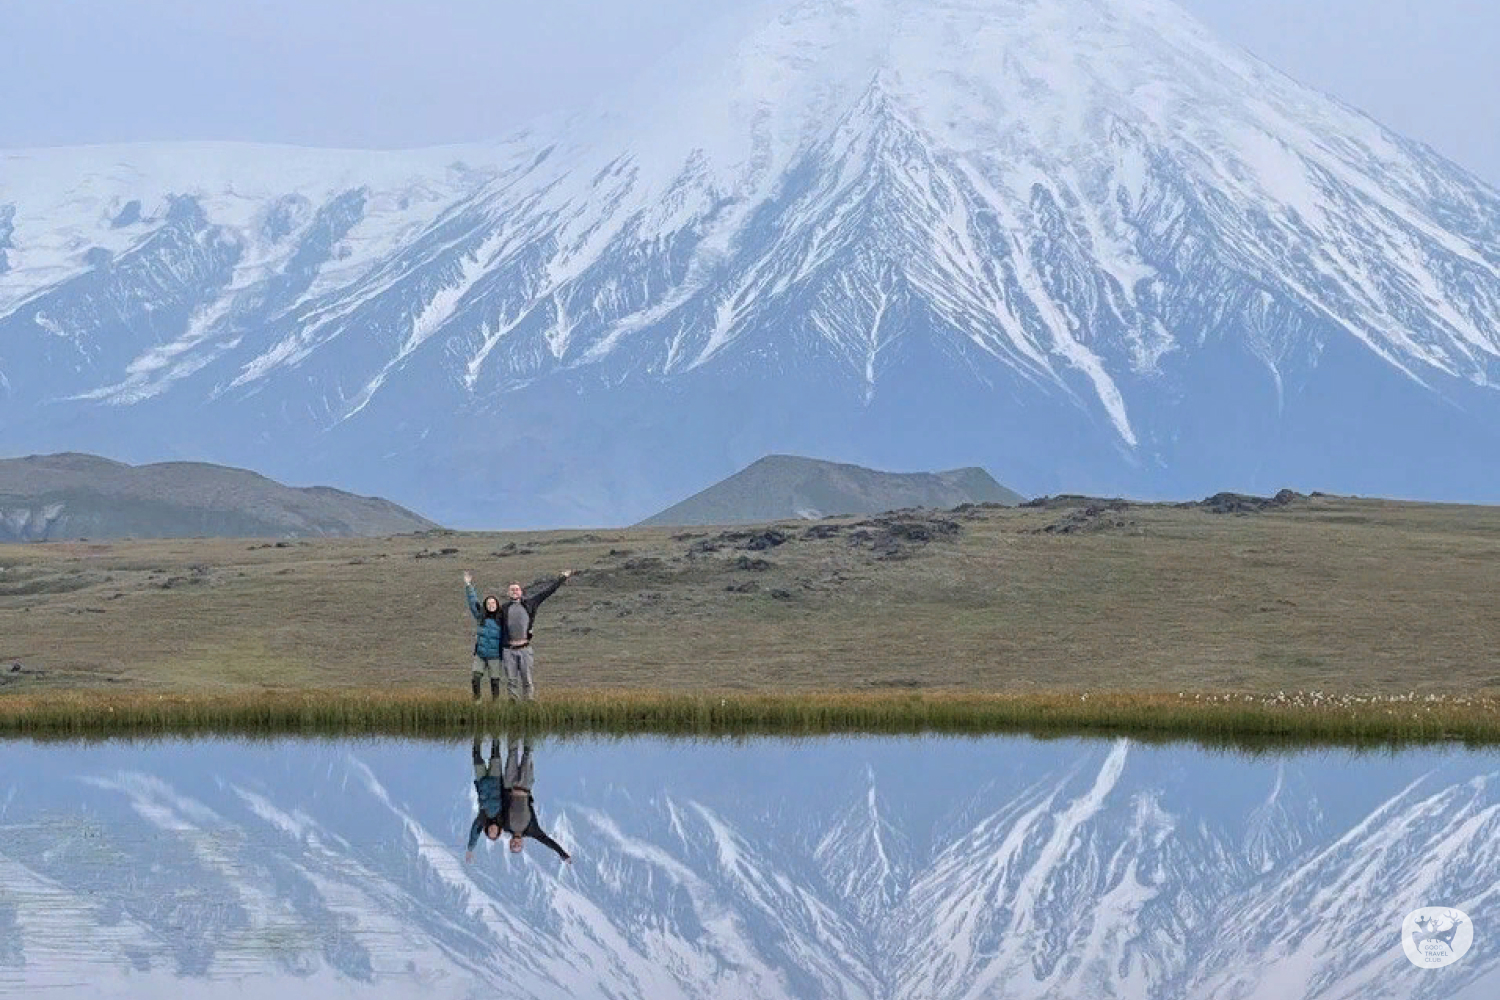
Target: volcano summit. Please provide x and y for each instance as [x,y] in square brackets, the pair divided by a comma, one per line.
[1079,242]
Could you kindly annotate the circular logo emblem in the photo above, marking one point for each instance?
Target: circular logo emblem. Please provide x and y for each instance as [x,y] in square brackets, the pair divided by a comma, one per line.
[1435,936]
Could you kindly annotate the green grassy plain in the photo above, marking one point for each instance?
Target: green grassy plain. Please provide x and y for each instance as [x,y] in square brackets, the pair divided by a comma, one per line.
[1334,598]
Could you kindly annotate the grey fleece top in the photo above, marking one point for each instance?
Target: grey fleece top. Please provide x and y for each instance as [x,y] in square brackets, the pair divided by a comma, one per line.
[517,621]
[520,818]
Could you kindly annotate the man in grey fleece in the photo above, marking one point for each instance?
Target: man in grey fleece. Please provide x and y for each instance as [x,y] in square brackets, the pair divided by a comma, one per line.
[517,617]
[519,817]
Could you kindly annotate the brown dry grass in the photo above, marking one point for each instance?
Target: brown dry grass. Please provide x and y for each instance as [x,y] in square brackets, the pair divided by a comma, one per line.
[1337,595]
[1241,721]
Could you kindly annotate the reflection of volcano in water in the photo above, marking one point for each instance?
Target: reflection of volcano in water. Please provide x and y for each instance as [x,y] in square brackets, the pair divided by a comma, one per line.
[854,869]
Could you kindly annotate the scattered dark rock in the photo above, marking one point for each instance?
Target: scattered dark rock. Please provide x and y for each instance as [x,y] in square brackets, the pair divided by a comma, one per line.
[16,668]
[752,565]
[283,545]
[687,536]
[783,595]
[1090,518]
[753,541]
[440,554]
[1241,503]
[621,552]
[1063,500]
[896,536]
[748,587]
[822,531]
[512,549]
[645,564]
[920,531]
[764,540]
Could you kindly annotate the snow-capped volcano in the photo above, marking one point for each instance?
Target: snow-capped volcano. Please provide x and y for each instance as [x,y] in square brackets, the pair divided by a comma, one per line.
[1078,241]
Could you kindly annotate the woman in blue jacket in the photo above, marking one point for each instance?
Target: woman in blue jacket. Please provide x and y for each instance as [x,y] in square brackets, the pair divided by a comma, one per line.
[490,791]
[487,644]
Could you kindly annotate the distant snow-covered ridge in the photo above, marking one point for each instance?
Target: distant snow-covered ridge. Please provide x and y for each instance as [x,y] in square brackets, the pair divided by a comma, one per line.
[1086,244]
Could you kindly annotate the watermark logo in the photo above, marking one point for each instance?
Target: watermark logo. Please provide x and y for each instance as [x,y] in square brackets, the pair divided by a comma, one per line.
[1435,936]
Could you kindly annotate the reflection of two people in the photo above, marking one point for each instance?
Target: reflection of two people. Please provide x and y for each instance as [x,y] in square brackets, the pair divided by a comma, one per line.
[505,801]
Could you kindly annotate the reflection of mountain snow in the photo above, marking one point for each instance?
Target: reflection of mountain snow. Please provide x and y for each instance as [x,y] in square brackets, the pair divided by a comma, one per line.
[854,869]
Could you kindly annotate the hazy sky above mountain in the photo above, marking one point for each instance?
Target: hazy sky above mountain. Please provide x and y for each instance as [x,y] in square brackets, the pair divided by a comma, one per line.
[388,73]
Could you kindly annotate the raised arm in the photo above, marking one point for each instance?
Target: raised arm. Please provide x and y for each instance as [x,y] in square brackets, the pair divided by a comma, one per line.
[474,829]
[547,590]
[473,597]
[535,833]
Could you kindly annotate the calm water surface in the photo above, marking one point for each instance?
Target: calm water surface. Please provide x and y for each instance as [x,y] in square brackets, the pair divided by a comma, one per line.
[860,868]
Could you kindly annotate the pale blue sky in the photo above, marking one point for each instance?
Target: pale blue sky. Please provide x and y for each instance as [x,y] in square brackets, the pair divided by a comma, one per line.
[388,73]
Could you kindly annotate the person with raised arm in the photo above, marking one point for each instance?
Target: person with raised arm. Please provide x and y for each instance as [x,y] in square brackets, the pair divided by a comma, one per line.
[519,818]
[517,620]
[489,789]
[487,643]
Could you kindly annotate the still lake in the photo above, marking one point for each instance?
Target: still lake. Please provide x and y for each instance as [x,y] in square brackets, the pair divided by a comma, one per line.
[850,868]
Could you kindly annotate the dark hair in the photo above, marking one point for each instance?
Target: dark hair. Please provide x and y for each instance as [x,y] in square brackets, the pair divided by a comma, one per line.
[484,605]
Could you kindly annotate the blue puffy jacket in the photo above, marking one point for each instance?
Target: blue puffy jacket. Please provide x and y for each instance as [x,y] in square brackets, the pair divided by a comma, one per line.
[491,793]
[487,643]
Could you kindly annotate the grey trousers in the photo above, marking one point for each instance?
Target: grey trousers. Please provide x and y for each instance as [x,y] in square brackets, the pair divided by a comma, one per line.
[518,674]
[481,665]
[519,772]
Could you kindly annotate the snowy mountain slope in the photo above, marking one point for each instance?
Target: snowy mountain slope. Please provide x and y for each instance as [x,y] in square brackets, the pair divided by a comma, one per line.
[1083,239]
[881,869]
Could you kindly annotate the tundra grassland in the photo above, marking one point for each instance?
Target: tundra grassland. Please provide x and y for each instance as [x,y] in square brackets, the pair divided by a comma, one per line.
[1330,614]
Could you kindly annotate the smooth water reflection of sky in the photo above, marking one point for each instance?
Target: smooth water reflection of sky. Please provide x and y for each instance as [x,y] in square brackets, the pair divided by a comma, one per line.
[866,867]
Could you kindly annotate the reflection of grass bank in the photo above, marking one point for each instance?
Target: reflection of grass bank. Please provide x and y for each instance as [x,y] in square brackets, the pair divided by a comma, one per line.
[1211,718]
